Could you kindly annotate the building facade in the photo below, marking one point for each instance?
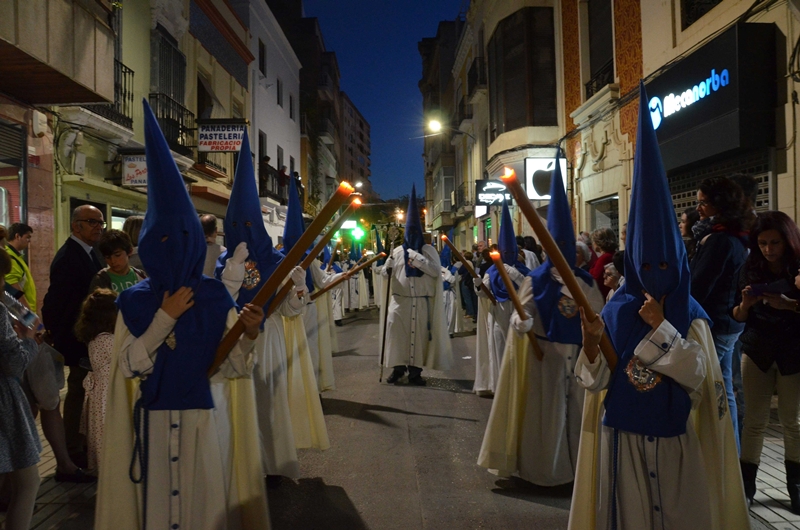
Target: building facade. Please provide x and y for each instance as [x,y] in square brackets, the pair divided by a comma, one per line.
[356,148]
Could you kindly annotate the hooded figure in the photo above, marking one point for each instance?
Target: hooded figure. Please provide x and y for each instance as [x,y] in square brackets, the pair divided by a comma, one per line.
[534,426]
[317,314]
[498,319]
[180,416]
[416,332]
[456,317]
[660,419]
[243,271]
[378,290]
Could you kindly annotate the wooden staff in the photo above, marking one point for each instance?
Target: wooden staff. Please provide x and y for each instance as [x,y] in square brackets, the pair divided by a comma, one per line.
[554,253]
[333,255]
[512,295]
[469,268]
[347,275]
[309,259]
[283,269]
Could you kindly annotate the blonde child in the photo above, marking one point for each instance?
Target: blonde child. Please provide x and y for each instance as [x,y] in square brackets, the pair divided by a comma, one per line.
[95,327]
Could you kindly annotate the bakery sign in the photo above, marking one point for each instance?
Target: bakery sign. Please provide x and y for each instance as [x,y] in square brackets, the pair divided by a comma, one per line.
[134,171]
[214,136]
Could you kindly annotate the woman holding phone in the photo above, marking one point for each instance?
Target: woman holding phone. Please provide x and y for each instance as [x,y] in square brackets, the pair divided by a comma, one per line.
[768,304]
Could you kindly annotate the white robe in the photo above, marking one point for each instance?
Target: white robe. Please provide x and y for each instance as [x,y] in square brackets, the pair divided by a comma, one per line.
[316,318]
[363,290]
[377,284]
[449,299]
[416,333]
[497,322]
[210,457]
[534,425]
[353,291]
[460,323]
[338,298]
[687,481]
[486,371]
[269,377]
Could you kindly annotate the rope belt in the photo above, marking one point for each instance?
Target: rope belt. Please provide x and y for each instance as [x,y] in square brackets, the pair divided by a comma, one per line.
[141,427]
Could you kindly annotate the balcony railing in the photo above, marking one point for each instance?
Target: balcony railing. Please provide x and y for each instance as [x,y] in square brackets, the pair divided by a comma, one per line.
[462,196]
[213,161]
[602,77]
[176,121]
[121,110]
[476,77]
[270,185]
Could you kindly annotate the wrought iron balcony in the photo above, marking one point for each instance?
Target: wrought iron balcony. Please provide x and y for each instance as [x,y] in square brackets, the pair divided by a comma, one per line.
[462,196]
[270,185]
[602,77]
[215,162]
[176,121]
[476,77]
[120,111]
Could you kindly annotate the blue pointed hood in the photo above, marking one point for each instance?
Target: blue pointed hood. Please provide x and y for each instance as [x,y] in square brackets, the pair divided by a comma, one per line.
[326,257]
[561,328]
[412,238]
[172,248]
[294,227]
[244,223]
[446,255]
[171,244]
[655,261]
[509,253]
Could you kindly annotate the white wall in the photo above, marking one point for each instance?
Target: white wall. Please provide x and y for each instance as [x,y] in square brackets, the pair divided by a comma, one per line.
[282,63]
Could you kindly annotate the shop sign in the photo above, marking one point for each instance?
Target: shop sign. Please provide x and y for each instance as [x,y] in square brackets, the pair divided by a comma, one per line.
[491,193]
[539,174]
[134,171]
[220,137]
[672,103]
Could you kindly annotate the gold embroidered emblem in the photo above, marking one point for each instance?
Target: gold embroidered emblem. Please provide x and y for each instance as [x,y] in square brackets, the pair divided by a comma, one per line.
[641,377]
[567,306]
[722,398]
[170,341]
[251,275]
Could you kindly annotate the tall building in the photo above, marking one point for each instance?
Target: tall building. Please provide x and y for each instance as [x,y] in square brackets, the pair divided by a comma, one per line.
[355,148]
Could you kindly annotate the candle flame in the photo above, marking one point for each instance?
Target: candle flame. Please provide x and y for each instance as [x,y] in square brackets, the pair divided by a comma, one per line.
[382,254]
[344,185]
[508,174]
[494,255]
[444,237]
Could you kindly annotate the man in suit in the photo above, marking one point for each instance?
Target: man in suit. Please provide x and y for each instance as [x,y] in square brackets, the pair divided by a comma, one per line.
[71,272]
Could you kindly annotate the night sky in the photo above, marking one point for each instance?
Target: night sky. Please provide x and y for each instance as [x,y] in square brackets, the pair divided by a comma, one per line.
[376,46]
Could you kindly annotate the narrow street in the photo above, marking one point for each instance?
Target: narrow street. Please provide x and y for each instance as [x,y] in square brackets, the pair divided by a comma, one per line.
[404,456]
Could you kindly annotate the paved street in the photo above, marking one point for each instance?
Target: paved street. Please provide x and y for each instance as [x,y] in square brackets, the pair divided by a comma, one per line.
[404,457]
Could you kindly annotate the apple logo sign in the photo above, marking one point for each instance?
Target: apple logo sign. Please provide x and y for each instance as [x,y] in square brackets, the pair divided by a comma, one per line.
[656,111]
[542,179]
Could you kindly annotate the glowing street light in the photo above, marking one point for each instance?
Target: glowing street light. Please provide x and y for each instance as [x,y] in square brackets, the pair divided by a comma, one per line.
[435,126]
[359,184]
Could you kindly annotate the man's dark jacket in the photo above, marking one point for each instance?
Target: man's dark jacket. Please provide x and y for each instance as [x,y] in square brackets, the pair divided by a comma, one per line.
[71,273]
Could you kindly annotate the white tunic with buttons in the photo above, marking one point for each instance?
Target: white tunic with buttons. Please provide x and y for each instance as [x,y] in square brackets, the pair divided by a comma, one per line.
[660,482]
[416,332]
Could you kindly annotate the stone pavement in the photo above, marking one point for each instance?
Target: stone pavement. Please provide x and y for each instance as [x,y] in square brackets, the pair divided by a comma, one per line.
[404,457]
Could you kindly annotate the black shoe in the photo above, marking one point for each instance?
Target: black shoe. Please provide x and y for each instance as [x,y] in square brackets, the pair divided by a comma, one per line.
[78,476]
[416,380]
[397,374]
[80,459]
[274,481]
[338,322]
[793,485]
[749,472]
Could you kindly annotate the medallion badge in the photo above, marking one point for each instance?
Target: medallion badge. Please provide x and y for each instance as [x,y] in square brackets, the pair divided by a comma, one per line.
[251,275]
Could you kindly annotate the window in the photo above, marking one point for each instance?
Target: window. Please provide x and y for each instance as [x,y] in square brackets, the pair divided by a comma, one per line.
[262,58]
[279,90]
[522,71]
[291,107]
[693,10]
[262,147]
[604,213]
[291,165]
[601,46]
[168,65]
[280,158]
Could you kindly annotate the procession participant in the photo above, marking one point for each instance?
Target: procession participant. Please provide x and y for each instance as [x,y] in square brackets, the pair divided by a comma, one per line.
[416,334]
[326,332]
[534,425]
[338,293]
[363,285]
[456,320]
[658,451]
[243,270]
[486,372]
[317,331]
[448,285]
[325,303]
[377,283]
[188,456]
[499,318]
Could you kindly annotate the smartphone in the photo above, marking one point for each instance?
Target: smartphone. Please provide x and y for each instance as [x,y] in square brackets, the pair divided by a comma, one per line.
[778,287]
[758,289]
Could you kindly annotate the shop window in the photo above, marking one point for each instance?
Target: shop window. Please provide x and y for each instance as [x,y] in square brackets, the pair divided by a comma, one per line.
[522,71]
[12,151]
[487,230]
[694,10]
[604,213]
[601,46]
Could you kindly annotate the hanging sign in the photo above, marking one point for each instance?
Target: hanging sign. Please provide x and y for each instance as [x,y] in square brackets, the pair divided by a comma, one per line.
[491,192]
[216,137]
[134,171]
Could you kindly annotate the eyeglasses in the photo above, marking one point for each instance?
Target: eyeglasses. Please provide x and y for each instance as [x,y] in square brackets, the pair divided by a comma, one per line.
[701,204]
[92,222]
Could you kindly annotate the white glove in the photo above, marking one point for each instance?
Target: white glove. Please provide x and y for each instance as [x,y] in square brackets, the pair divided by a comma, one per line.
[298,276]
[514,274]
[240,254]
[413,254]
[521,326]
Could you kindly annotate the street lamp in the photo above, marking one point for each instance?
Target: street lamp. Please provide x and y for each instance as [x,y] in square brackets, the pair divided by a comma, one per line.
[436,127]
[359,184]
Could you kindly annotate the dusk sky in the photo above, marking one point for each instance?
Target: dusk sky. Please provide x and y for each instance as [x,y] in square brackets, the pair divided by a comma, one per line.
[376,46]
